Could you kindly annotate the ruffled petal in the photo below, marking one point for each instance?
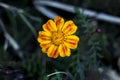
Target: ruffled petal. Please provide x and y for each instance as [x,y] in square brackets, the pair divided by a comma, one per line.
[53,51]
[69,27]
[59,22]
[43,36]
[64,50]
[50,26]
[71,41]
[45,45]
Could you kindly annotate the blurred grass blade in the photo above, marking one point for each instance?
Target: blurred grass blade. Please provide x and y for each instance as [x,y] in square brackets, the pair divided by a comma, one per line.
[27,23]
[20,13]
[35,18]
[56,73]
[6,45]
[7,6]
[13,23]
[11,41]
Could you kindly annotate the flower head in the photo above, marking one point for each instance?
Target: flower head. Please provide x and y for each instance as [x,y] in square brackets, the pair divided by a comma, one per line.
[57,37]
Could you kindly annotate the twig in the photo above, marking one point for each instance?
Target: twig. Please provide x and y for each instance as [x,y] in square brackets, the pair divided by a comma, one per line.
[70,8]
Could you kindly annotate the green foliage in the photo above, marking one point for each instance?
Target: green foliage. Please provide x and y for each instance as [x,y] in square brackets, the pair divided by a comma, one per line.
[23,26]
[82,60]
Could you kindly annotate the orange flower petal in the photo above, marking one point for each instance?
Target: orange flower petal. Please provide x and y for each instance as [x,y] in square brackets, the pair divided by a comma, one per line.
[69,27]
[50,26]
[53,51]
[71,41]
[43,36]
[64,50]
[57,38]
[59,22]
[44,50]
[45,45]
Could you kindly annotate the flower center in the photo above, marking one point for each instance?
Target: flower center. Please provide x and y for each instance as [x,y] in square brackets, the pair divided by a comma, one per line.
[57,37]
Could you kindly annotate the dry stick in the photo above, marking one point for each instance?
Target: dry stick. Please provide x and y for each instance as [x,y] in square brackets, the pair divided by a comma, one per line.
[13,43]
[70,8]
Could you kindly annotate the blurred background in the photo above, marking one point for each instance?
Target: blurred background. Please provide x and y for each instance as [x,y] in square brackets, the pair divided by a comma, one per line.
[96,58]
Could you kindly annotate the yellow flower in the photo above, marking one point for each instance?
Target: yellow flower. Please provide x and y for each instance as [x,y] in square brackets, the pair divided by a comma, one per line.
[57,37]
